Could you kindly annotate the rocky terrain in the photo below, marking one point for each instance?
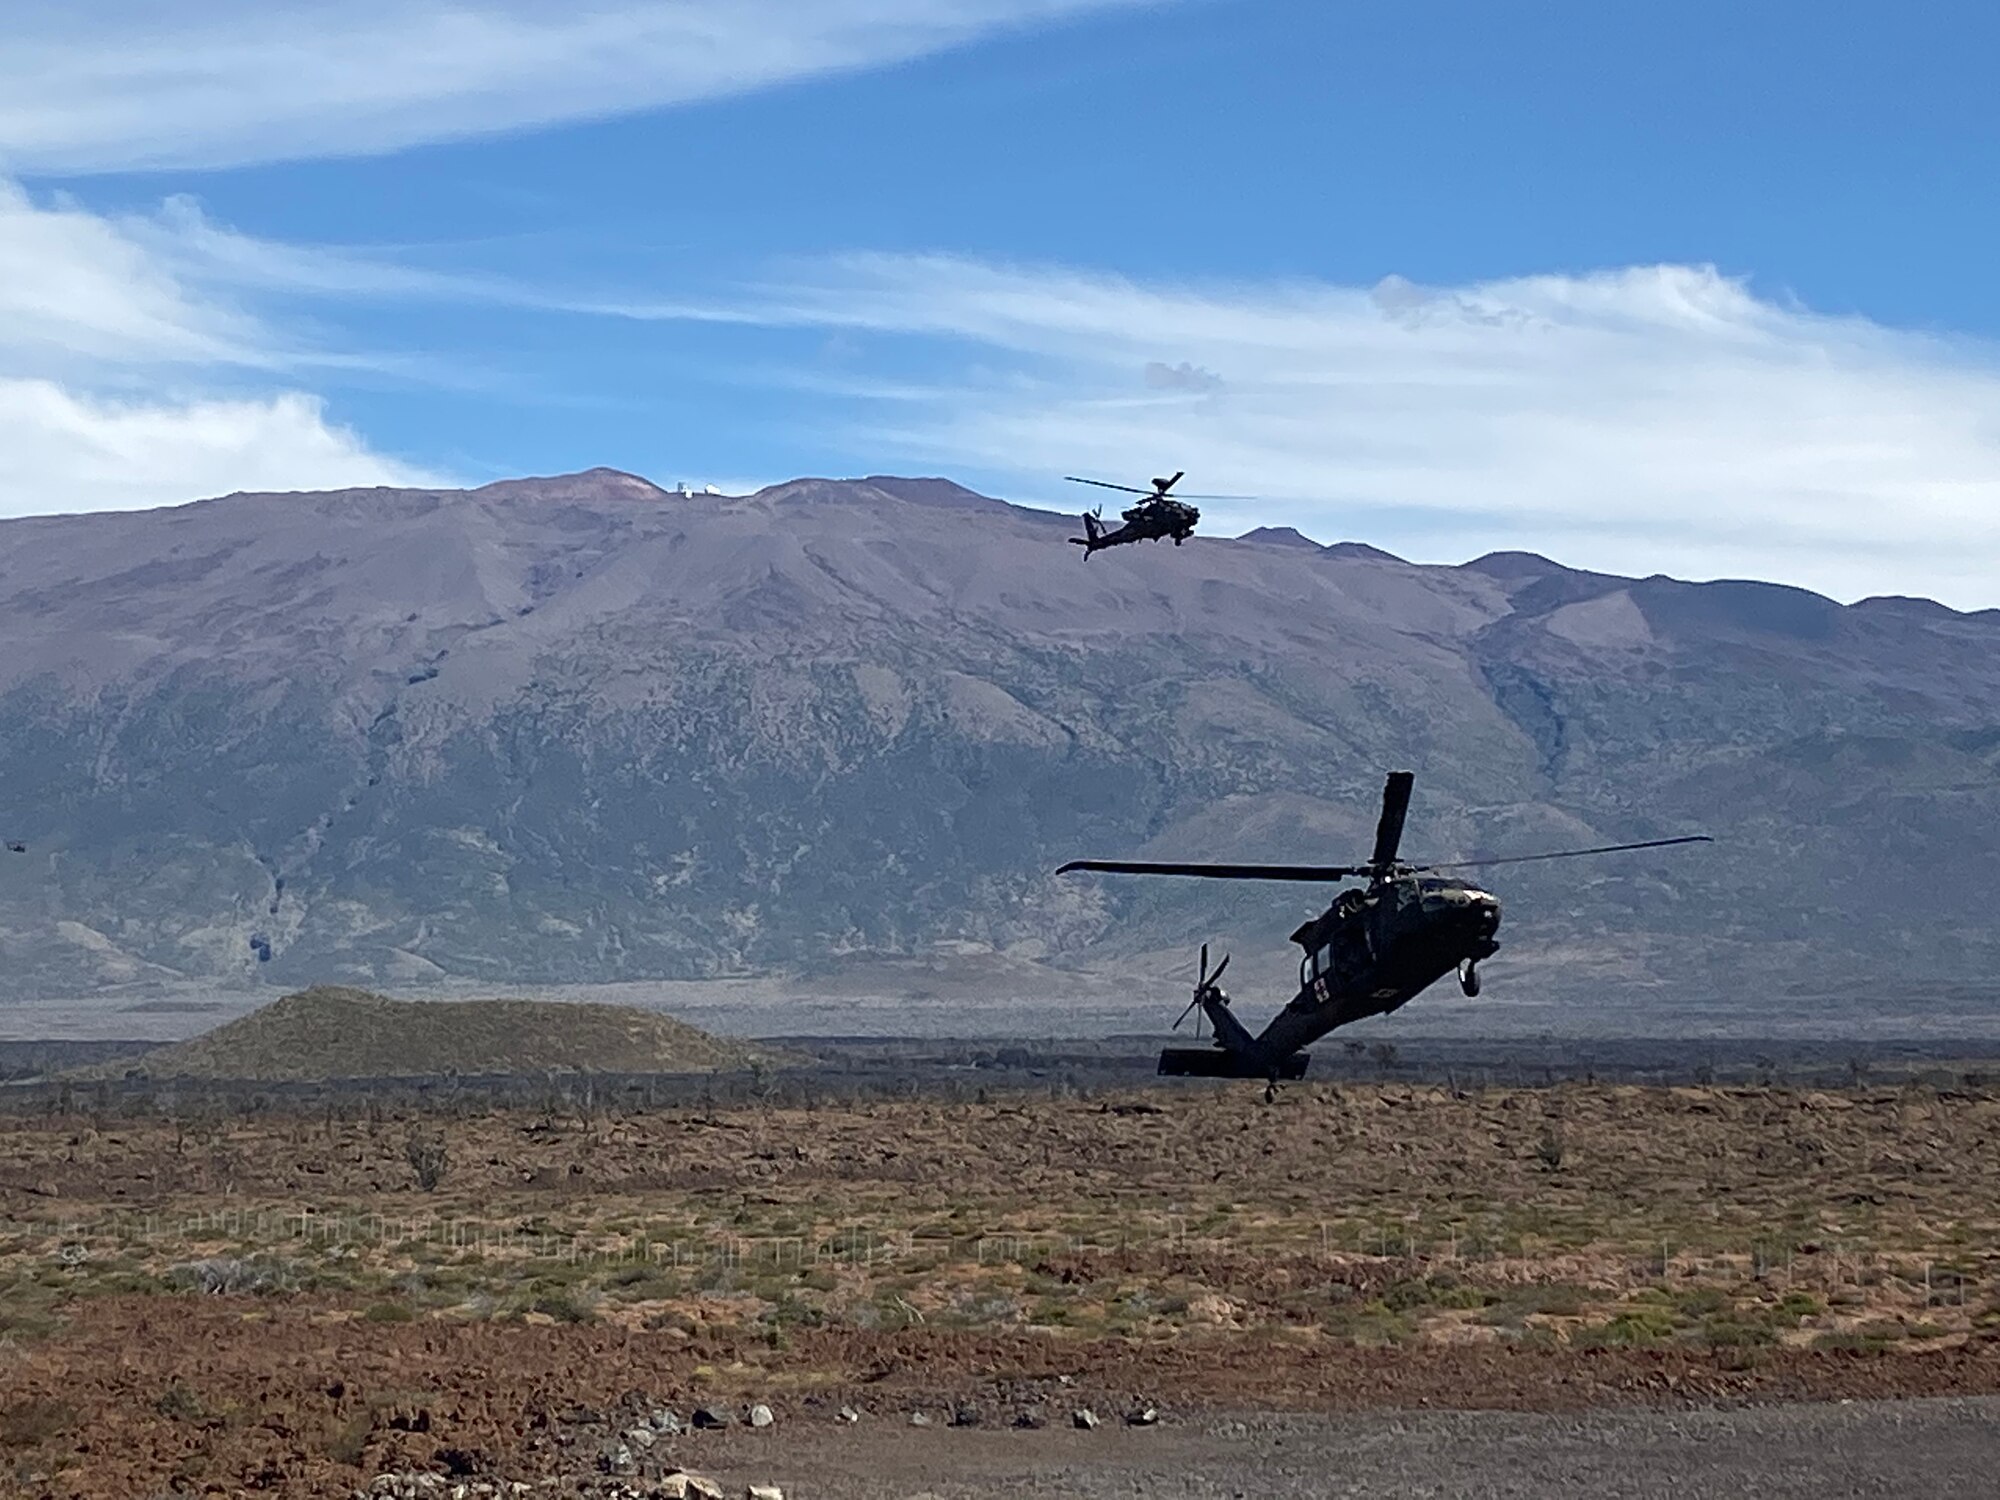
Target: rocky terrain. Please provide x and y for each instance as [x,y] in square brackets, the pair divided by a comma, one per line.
[579,730]
[1362,1289]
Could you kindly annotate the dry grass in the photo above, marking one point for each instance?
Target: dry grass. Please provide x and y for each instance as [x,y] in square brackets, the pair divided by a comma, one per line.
[1383,1215]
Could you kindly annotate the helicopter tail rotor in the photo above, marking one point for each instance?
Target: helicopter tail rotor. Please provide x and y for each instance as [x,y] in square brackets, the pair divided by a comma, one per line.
[1205,989]
[1234,1052]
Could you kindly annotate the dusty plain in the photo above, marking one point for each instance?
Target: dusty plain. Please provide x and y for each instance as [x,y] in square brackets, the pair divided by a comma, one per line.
[274,1297]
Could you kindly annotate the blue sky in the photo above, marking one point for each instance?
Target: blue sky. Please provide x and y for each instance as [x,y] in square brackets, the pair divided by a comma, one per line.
[1702,289]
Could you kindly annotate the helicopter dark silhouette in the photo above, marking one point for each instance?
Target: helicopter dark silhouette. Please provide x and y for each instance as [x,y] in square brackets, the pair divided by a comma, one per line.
[1152,518]
[14,847]
[1370,952]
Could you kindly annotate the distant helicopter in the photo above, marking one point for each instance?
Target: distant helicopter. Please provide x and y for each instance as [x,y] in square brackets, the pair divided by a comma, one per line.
[1152,518]
[1371,952]
[16,848]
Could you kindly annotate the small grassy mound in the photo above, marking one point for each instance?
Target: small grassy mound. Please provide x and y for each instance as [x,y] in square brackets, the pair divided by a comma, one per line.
[333,1032]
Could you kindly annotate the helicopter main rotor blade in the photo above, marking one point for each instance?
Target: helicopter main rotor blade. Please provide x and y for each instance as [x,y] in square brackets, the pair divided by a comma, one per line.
[1106,485]
[1523,859]
[1395,808]
[1306,873]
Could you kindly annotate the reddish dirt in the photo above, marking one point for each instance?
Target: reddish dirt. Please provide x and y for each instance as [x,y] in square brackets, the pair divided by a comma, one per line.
[106,1392]
[145,1396]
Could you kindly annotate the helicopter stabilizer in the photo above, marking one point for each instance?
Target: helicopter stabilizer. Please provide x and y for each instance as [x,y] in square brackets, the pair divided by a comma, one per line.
[1219,1062]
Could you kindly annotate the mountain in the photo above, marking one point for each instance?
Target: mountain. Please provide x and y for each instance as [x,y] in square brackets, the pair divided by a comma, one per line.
[331,1032]
[577,730]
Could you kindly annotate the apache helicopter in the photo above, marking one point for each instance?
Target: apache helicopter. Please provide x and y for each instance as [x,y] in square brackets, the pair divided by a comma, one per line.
[1152,518]
[1370,952]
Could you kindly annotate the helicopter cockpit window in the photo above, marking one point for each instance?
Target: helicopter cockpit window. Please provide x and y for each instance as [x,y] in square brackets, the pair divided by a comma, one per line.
[1312,965]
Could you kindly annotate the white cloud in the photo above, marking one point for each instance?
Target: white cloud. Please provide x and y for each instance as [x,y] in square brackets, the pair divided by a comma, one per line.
[60,452]
[115,371]
[105,85]
[1660,418]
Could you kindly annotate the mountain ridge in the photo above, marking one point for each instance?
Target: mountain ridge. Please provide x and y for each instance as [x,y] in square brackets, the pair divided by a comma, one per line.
[566,729]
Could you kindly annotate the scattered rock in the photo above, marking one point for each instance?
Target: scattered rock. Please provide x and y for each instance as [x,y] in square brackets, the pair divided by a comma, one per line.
[681,1485]
[1084,1418]
[1065,1380]
[760,1415]
[1209,1308]
[965,1414]
[920,1419]
[763,1492]
[1031,1418]
[1142,1416]
[665,1420]
[640,1438]
[708,1417]
[403,1486]
[847,1414]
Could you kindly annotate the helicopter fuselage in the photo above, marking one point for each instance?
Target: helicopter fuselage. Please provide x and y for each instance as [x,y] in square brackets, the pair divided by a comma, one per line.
[1147,521]
[1371,952]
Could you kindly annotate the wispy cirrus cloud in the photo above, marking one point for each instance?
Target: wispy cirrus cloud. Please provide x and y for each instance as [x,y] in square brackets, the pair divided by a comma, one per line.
[115,85]
[1653,418]
[1643,419]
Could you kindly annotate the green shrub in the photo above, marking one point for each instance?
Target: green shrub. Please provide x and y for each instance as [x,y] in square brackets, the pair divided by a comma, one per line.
[179,1404]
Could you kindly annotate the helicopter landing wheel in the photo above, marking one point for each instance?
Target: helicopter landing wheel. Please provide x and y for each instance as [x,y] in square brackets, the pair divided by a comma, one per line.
[1468,978]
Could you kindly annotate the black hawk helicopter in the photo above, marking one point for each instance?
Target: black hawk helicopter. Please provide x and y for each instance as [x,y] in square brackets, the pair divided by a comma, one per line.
[1370,952]
[1152,518]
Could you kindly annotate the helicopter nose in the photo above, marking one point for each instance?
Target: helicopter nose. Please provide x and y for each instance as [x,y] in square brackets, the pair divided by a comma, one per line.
[1479,910]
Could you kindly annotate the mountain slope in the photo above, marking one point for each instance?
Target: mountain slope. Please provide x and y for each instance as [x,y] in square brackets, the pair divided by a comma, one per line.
[579,730]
